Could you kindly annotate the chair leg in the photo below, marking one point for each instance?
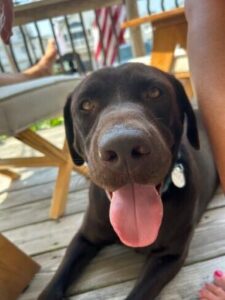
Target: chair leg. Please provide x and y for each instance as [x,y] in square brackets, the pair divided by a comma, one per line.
[61,190]
[53,156]
[185,79]
[13,175]
[164,44]
[65,166]
[165,39]
[16,271]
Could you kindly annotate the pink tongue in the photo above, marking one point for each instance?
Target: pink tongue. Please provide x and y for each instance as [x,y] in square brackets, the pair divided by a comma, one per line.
[136,214]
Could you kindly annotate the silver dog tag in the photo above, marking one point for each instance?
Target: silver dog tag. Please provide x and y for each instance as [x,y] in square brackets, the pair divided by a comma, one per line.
[178,177]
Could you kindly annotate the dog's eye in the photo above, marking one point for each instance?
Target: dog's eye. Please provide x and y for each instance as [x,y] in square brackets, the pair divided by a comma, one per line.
[152,93]
[87,105]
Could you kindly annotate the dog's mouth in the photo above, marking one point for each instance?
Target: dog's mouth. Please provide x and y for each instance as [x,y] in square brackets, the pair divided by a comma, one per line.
[136,213]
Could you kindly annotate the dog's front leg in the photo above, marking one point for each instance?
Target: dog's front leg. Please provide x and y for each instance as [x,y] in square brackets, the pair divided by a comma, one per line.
[158,271]
[78,255]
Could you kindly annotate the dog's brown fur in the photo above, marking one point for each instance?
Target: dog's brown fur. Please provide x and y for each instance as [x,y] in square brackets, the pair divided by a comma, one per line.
[122,106]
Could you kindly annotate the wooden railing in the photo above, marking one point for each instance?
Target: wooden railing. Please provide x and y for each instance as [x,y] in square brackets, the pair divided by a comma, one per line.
[49,10]
[177,3]
[45,9]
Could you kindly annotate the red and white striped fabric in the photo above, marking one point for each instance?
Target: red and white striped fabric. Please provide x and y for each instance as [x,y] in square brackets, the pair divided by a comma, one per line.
[107,39]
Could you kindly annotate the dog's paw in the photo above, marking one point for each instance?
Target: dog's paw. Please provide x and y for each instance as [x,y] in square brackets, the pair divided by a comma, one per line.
[51,295]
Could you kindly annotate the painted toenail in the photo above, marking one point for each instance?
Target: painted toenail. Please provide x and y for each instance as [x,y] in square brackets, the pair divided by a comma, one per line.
[218,273]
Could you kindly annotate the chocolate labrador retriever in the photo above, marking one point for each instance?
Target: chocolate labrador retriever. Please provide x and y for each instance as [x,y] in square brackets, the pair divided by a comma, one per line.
[136,129]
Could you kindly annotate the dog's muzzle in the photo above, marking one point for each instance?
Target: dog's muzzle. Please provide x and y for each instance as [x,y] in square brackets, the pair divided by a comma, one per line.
[122,146]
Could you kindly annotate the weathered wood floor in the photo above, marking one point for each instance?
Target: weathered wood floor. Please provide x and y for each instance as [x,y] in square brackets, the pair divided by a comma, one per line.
[24,220]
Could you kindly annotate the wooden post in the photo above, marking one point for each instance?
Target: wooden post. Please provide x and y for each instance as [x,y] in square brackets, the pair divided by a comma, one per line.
[16,270]
[135,32]
[10,59]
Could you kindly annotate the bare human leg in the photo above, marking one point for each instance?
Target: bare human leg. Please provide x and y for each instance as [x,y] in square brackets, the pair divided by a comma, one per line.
[206,49]
[42,68]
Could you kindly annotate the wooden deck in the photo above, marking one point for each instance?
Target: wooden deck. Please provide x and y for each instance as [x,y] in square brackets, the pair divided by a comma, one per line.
[24,220]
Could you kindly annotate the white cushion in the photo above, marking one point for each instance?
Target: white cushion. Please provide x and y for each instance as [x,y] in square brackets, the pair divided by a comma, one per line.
[25,103]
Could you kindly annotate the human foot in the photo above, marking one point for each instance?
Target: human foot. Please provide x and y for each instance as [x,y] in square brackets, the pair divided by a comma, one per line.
[45,64]
[215,290]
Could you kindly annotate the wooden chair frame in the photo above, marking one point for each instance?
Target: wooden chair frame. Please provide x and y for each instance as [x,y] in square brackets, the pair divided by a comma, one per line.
[52,156]
[169,30]
[17,270]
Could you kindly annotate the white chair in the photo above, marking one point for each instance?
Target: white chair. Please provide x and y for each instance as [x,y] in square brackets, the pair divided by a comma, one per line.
[26,103]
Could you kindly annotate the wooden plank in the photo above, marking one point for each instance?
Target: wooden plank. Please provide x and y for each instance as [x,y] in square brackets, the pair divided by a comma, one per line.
[102,279]
[211,216]
[12,147]
[159,17]
[218,201]
[208,241]
[113,269]
[16,271]
[36,193]
[77,202]
[27,214]
[46,236]
[97,294]
[42,145]
[17,149]
[50,260]
[184,286]
[113,265]
[115,292]
[52,8]
[28,162]
[10,174]
[37,177]
[30,177]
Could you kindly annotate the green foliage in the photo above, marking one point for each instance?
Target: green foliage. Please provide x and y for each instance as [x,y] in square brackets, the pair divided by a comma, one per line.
[2,137]
[45,124]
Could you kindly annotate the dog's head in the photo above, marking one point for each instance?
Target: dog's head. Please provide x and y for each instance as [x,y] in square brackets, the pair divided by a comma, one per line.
[127,123]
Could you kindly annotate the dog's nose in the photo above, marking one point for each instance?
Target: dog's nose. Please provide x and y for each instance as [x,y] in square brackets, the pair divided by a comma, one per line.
[123,147]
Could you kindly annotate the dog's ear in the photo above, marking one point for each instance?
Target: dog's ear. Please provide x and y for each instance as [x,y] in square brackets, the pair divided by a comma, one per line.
[192,130]
[77,159]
